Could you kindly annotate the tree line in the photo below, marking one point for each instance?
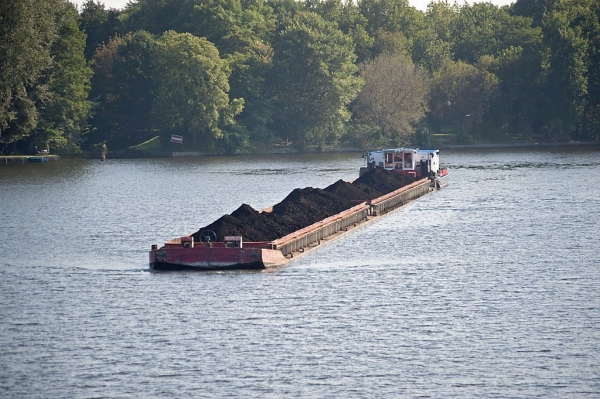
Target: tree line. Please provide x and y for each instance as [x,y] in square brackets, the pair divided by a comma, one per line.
[234,76]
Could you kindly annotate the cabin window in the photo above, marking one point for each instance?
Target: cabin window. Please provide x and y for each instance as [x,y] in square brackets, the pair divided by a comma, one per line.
[398,161]
[408,160]
[389,160]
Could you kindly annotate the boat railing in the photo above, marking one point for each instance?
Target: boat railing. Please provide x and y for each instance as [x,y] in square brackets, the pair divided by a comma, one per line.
[313,234]
[399,197]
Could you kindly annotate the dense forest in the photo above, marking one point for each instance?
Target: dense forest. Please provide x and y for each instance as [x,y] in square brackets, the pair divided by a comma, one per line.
[238,76]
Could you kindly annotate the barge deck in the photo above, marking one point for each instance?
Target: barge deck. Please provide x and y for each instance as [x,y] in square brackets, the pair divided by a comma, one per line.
[234,254]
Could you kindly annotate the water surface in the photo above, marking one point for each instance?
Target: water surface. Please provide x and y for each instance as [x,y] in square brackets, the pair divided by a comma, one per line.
[488,288]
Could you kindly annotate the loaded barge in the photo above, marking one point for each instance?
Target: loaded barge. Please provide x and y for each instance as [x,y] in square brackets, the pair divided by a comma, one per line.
[234,253]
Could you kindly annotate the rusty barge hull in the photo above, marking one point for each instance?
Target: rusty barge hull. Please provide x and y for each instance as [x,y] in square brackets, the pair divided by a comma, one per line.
[185,254]
[255,256]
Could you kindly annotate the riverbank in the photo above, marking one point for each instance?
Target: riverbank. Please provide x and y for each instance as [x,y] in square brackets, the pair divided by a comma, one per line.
[296,150]
[129,153]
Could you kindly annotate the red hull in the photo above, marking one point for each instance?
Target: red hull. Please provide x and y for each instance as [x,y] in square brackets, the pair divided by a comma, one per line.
[254,256]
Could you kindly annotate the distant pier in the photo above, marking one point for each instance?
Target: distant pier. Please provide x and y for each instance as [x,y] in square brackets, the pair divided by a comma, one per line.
[12,159]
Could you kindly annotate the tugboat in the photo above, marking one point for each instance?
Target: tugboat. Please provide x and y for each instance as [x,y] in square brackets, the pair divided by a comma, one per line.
[408,162]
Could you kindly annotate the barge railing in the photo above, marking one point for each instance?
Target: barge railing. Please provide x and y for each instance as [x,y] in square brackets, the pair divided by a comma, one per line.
[298,240]
[400,197]
[314,233]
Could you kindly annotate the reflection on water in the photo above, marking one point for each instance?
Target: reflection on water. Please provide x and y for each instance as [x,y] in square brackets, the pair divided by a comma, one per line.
[487,288]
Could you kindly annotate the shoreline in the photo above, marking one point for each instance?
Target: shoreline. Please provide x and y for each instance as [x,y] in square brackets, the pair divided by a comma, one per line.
[571,144]
[125,154]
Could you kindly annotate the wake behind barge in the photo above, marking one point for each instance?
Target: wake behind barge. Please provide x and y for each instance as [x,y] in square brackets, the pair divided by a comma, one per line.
[233,253]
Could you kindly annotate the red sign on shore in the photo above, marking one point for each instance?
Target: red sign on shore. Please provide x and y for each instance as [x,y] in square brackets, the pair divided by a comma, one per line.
[176,139]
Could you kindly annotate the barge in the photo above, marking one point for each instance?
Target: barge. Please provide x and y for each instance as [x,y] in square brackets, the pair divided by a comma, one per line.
[234,253]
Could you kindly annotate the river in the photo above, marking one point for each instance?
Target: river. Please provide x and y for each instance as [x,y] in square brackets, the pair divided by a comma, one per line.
[489,288]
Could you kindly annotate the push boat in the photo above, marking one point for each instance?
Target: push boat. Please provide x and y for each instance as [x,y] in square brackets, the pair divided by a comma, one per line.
[233,253]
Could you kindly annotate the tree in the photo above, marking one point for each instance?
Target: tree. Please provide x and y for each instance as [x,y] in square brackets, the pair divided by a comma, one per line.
[535,9]
[460,96]
[249,65]
[99,24]
[64,113]
[345,14]
[314,79]
[590,24]
[124,90]
[156,16]
[44,79]
[387,15]
[565,74]
[517,109]
[241,30]
[572,34]
[394,97]
[27,32]
[191,89]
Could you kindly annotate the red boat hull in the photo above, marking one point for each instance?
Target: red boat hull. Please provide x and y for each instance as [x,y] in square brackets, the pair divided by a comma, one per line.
[202,257]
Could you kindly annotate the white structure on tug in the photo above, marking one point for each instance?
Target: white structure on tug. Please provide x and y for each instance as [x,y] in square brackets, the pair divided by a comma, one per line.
[406,161]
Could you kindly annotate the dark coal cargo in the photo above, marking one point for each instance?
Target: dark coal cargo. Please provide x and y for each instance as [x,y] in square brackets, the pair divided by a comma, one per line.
[303,207]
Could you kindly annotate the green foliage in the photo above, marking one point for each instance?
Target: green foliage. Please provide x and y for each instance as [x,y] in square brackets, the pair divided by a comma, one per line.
[27,31]
[572,33]
[387,15]
[484,29]
[313,80]
[99,24]
[565,74]
[461,95]
[394,97]
[240,29]
[191,89]
[44,79]
[534,9]
[63,115]
[240,73]
[124,90]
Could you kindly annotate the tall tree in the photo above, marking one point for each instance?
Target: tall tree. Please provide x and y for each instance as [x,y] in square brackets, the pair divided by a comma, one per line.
[535,9]
[156,16]
[124,90]
[439,19]
[191,89]
[590,23]
[99,24]
[64,113]
[460,96]
[240,29]
[387,15]
[484,29]
[566,74]
[518,109]
[394,97]
[314,79]
[27,32]
[345,14]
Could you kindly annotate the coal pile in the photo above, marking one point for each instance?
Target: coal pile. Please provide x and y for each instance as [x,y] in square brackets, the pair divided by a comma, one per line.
[248,223]
[378,182]
[303,207]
